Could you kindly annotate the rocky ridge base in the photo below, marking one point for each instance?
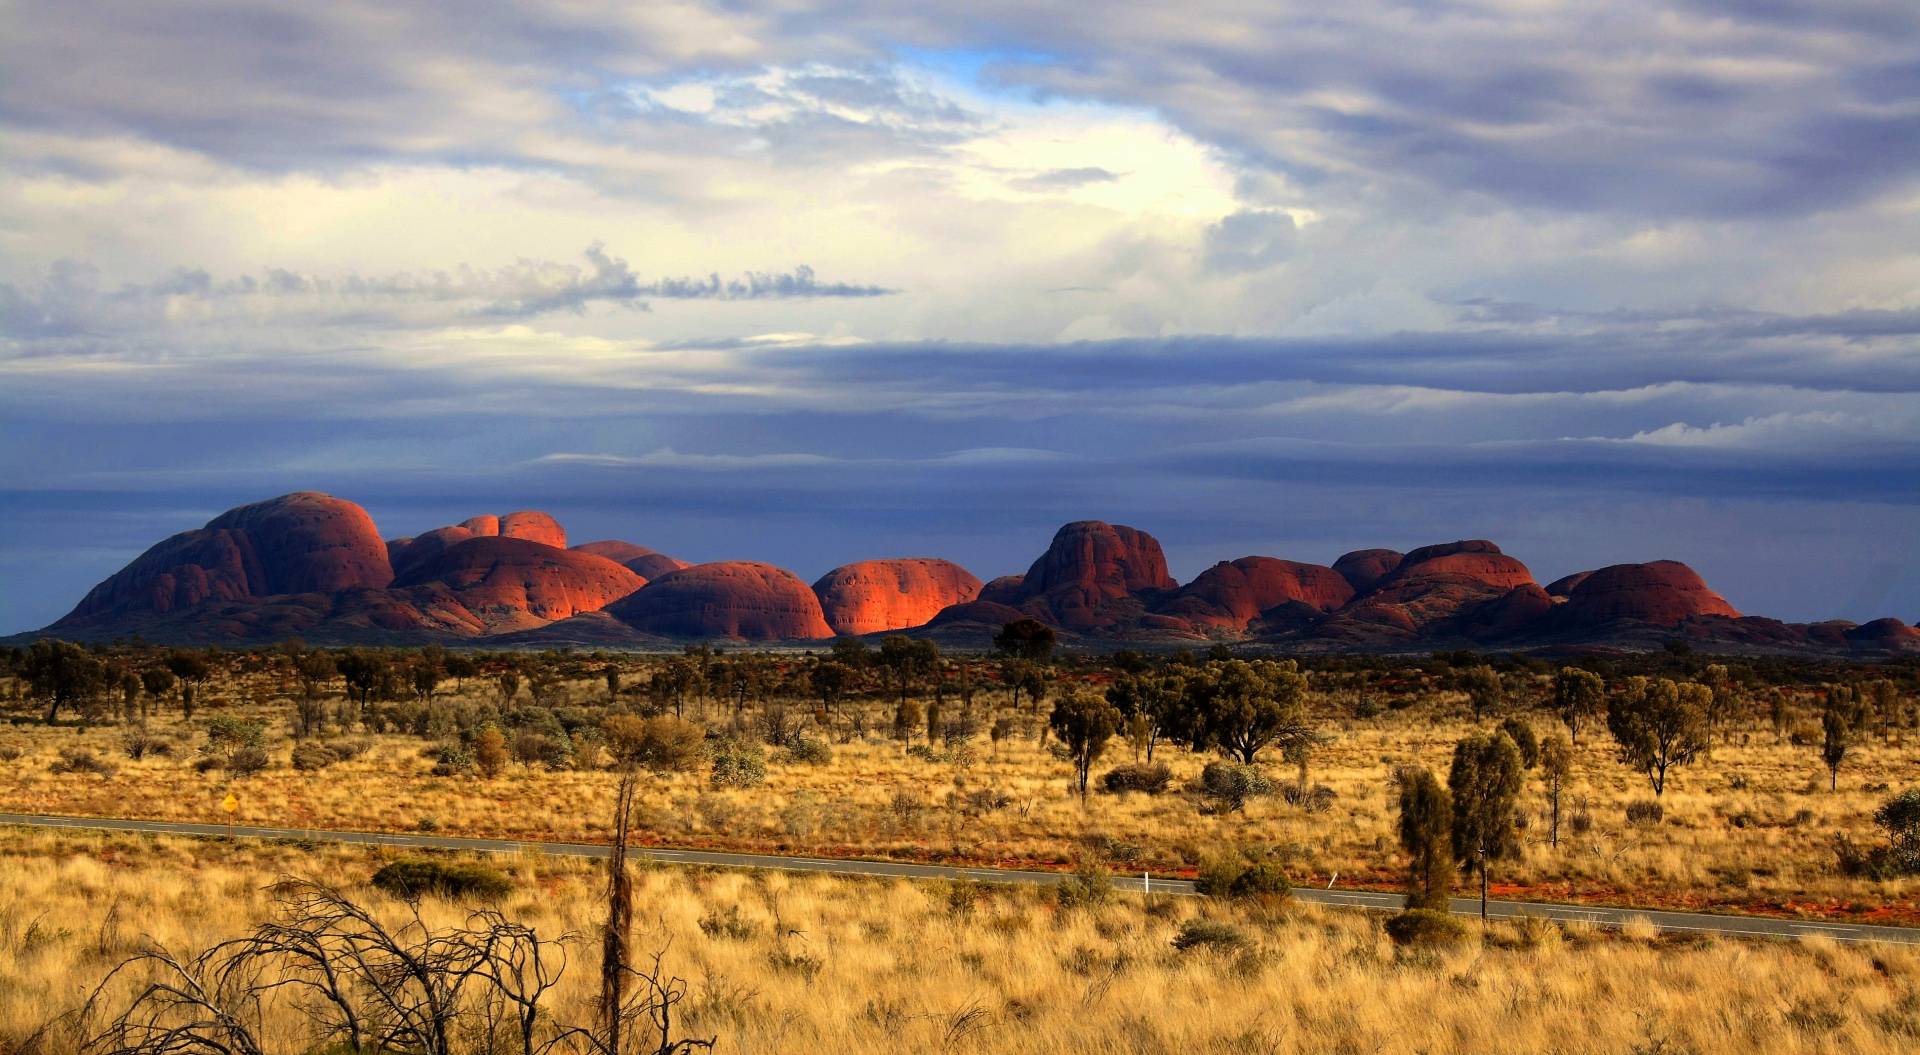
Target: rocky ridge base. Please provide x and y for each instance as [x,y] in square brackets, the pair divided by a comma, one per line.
[314,566]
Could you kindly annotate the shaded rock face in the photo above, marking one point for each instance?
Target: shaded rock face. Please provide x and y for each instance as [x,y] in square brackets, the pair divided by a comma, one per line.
[1663,593]
[1564,586]
[511,583]
[297,543]
[1890,634]
[647,563]
[1232,594]
[734,599]
[868,597]
[1364,568]
[1473,558]
[1093,573]
[1005,590]
[1512,613]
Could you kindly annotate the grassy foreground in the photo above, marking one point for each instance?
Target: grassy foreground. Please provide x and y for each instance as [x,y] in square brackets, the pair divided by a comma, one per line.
[820,963]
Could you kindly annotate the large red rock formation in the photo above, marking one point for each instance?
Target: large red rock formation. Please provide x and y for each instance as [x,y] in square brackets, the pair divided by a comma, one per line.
[645,562]
[1889,634]
[1663,592]
[297,543]
[1094,573]
[1474,558]
[1366,567]
[868,597]
[1564,585]
[528,524]
[737,599]
[1005,590]
[513,583]
[1232,594]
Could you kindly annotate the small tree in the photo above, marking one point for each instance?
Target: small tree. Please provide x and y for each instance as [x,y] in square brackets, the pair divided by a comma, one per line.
[1899,817]
[490,751]
[1485,782]
[1084,722]
[1484,690]
[1523,737]
[1556,767]
[1249,706]
[1578,696]
[1657,727]
[1026,639]
[63,674]
[1837,736]
[1426,834]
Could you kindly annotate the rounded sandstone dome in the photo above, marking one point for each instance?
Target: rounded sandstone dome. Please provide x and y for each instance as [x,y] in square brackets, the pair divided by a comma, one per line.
[1365,567]
[513,583]
[1663,592]
[646,562]
[739,599]
[871,596]
[1234,593]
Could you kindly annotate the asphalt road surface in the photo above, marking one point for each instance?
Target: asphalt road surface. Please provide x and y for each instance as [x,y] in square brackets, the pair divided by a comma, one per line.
[1700,922]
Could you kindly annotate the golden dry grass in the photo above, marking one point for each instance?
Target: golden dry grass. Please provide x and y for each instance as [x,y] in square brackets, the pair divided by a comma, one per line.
[886,966]
[1750,827]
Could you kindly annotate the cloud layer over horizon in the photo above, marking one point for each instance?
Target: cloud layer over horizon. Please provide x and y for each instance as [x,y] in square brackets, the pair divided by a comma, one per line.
[819,281]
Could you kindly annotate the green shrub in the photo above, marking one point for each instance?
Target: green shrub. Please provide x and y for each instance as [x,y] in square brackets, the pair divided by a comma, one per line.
[414,878]
[1230,785]
[738,764]
[1236,875]
[1425,927]
[81,760]
[1089,885]
[1207,934]
[809,750]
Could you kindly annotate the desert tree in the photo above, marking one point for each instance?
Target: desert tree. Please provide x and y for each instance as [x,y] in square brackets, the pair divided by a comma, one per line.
[1657,727]
[158,681]
[1248,706]
[1151,705]
[1578,697]
[63,674]
[1485,781]
[829,680]
[1084,722]
[1484,689]
[906,660]
[1836,736]
[1026,639]
[1556,768]
[1425,829]
[490,751]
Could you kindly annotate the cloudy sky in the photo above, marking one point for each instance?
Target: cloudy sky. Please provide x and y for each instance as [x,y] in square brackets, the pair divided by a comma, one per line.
[808,282]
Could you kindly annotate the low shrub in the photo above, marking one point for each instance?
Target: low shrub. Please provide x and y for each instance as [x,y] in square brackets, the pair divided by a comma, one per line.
[1230,785]
[807,750]
[1645,813]
[738,764]
[81,760]
[1425,927]
[1089,885]
[729,924]
[310,755]
[1151,779]
[1238,876]
[414,878]
[1210,935]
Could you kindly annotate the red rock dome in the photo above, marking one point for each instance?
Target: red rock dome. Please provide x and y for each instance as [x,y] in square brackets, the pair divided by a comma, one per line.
[1232,594]
[1564,586]
[1664,593]
[868,597]
[515,583]
[298,543]
[1366,567]
[1474,558]
[646,562]
[1890,634]
[740,599]
[1090,573]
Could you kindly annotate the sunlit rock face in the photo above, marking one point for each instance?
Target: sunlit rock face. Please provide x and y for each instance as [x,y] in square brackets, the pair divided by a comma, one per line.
[871,596]
[1232,594]
[514,583]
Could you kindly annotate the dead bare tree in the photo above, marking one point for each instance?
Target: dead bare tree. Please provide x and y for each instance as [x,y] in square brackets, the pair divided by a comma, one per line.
[479,988]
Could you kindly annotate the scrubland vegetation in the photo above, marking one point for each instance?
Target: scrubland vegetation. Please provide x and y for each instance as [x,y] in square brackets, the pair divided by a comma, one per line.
[802,963]
[1665,780]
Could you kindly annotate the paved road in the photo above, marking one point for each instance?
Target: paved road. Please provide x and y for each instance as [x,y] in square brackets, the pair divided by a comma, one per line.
[1701,922]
